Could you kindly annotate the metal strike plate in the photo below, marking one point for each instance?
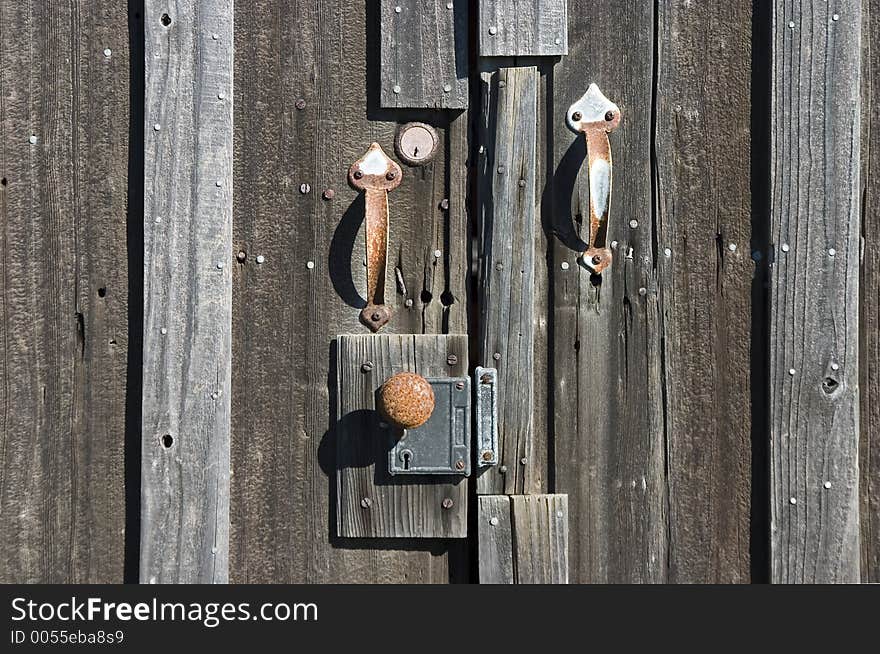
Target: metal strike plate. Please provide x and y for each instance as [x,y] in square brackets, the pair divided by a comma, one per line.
[442,445]
[487,416]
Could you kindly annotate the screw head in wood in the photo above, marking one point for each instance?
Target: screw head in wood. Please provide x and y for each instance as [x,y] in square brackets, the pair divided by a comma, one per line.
[241,256]
[107,52]
[261,258]
[300,104]
[827,484]
[502,469]
[633,223]
[366,366]
[305,188]
[497,356]
[329,194]
[447,503]
[406,400]
[366,502]
[444,204]
[452,359]
[493,521]
[493,30]
[785,247]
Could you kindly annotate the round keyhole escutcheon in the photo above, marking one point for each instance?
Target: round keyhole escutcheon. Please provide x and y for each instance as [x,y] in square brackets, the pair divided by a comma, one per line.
[416,143]
[406,400]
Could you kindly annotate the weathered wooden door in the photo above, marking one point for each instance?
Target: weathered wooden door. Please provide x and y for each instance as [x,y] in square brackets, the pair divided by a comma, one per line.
[190,389]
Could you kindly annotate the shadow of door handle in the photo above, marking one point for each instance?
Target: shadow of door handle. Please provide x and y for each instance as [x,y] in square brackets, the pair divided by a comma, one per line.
[596,116]
[375,174]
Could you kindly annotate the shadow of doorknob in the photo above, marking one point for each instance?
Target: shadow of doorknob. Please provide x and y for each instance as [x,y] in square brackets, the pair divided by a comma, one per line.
[596,116]
[375,174]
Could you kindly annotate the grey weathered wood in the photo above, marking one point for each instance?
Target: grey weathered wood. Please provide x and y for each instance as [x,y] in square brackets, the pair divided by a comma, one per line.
[508,221]
[287,315]
[607,405]
[705,276]
[523,539]
[187,291]
[540,528]
[814,312]
[64,280]
[523,28]
[424,54]
[869,301]
[399,507]
[494,539]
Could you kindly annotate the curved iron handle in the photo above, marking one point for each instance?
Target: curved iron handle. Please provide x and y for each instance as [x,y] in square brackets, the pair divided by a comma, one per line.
[596,116]
[375,174]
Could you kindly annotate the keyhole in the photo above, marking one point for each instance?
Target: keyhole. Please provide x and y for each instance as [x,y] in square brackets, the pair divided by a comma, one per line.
[415,151]
[407,456]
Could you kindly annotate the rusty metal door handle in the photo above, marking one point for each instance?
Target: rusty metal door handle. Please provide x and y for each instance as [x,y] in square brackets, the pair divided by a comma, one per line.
[596,116]
[375,174]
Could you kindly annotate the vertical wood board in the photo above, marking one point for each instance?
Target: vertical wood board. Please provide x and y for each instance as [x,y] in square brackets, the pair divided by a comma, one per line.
[187,292]
[424,54]
[815,289]
[64,160]
[507,268]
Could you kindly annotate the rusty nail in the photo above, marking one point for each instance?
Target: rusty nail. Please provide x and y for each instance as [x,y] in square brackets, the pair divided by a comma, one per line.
[577,115]
[358,174]
[376,316]
[329,194]
[444,204]
[487,455]
[609,116]
[447,503]
[366,502]
[304,188]
[390,175]
[300,104]
[497,356]
[459,386]
[452,359]
[241,256]
[366,366]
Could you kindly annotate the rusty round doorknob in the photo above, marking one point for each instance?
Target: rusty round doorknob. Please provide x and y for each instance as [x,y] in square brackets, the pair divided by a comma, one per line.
[406,400]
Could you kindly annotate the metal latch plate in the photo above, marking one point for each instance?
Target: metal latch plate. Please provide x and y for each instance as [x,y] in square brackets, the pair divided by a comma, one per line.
[442,444]
[487,416]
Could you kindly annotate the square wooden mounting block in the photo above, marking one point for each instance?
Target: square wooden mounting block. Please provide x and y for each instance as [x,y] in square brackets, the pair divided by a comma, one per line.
[370,502]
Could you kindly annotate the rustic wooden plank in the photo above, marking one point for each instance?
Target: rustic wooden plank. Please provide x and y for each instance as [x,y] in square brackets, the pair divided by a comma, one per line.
[523,539]
[814,291]
[187,292]
[869,301]
[370,502]
[64,288]
[508,221]
[607,432]
[288,314]
[424,54]
[494,539]
[523,28]
[540,536]
[705,280]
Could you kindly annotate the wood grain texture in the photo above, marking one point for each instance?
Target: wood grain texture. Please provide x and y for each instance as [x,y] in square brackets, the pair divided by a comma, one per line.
[540,527]
[607,406]
[705,274]
[403,506]
[63,316]
[815,289]
[424,54]
[187,292]
[523,28]
[508,222]
[287,314]
[523,539]
[869,300]
[494,539]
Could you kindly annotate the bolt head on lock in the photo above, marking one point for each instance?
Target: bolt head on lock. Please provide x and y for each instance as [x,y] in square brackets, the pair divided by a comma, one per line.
[406,400]
[596,259]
